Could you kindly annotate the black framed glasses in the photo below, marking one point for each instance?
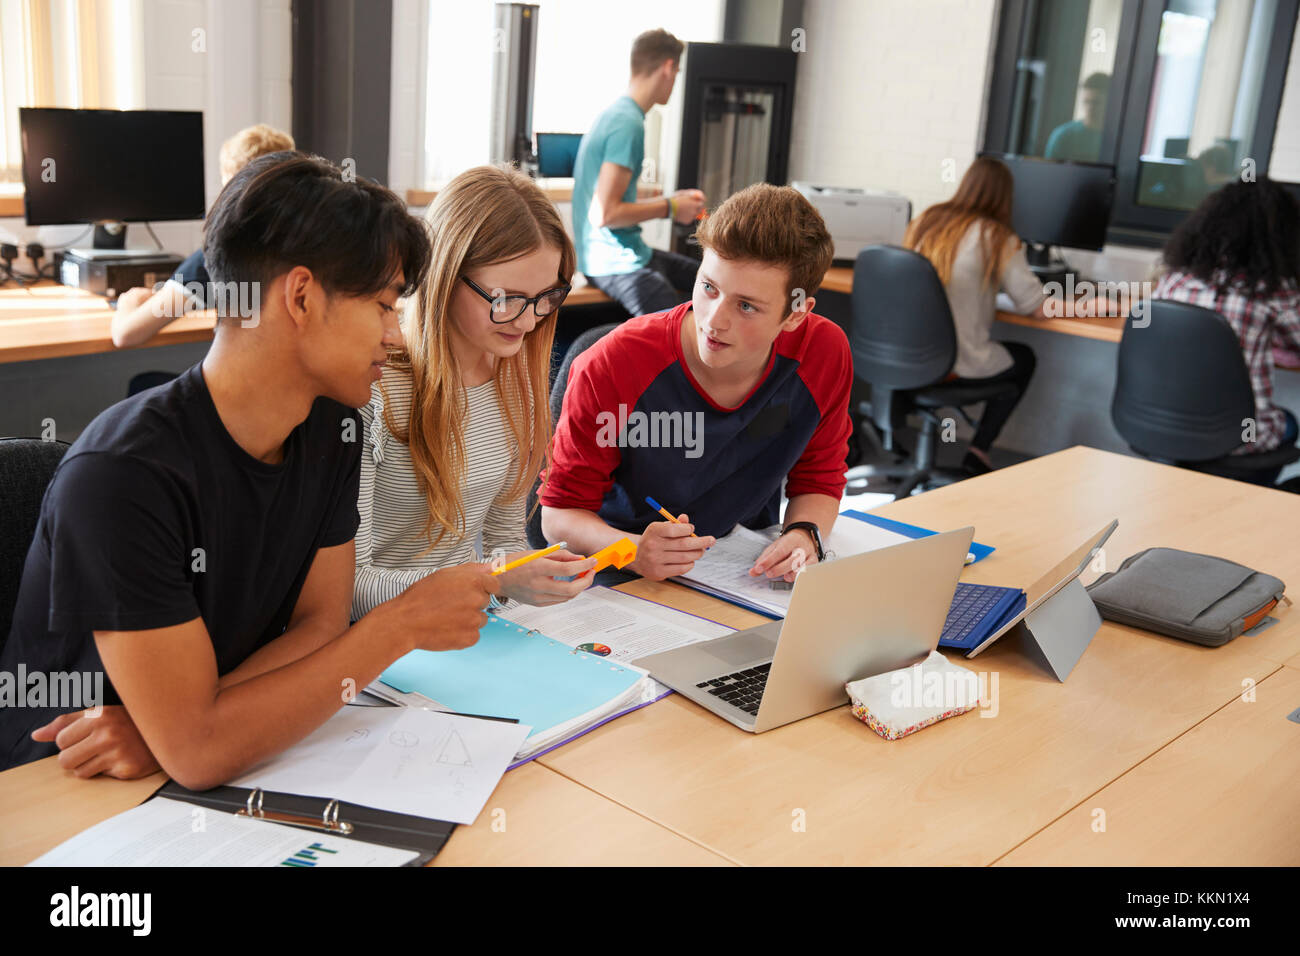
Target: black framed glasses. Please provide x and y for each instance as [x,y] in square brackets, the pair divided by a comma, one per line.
[507,308]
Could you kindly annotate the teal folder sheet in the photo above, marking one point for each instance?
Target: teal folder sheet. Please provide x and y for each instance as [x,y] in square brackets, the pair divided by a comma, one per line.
[513,672]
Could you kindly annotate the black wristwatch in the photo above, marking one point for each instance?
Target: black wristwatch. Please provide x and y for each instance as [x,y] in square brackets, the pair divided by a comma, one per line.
[811,528]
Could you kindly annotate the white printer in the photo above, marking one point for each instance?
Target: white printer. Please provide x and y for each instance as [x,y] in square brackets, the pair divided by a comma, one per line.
[857,218]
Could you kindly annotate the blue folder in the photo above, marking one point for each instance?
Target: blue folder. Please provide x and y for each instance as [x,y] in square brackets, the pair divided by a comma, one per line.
[981,551]
[513,672]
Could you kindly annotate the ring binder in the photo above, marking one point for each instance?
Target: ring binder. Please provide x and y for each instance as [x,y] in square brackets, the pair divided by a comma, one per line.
[424,835]
[328,822]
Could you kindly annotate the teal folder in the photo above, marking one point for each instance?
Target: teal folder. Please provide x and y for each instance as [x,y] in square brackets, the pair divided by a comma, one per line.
[513,672]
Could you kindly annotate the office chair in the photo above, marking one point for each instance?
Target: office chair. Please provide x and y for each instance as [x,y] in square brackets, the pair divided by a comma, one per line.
[26,467]
[583,342]
[1182,393]
[904,346]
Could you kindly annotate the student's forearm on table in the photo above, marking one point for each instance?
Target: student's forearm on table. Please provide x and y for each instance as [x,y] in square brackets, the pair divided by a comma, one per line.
[137,326]
[255,718]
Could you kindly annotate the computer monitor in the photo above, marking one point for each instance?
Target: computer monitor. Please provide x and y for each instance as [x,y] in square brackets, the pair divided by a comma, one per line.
[1060,203]
[97,166]
[556,154]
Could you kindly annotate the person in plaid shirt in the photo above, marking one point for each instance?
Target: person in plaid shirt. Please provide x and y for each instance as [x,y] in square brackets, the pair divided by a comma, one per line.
[1238,253]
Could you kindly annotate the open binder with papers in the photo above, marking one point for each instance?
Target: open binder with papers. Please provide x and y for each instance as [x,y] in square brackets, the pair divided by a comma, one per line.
[232,826]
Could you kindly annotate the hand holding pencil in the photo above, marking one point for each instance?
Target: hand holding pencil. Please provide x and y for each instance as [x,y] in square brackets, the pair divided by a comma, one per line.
[669,548]
[535,577]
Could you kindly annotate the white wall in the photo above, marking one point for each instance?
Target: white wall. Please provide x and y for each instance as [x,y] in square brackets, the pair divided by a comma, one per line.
[890,94]
[1285,162]
[406,95]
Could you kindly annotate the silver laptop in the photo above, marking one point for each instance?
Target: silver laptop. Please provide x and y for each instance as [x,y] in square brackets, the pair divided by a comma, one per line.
[850,618]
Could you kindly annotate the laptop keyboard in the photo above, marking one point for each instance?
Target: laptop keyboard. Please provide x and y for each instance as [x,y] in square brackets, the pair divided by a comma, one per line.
[970,605]
[743,689]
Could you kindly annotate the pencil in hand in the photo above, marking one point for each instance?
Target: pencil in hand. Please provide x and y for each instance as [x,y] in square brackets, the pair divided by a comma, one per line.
[664,511]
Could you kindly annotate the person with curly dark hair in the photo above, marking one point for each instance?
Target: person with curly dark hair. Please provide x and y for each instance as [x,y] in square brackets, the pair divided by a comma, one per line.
[1238,253]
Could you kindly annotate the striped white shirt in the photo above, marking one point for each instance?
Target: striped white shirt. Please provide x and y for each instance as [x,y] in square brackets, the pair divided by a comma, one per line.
[393,508]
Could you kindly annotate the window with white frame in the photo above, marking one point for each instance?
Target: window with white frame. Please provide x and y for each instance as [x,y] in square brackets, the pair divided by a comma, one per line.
[583,49]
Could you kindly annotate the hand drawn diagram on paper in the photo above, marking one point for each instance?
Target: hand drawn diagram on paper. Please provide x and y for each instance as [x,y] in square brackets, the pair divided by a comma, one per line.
[403,759]
[454,751]
[403,738]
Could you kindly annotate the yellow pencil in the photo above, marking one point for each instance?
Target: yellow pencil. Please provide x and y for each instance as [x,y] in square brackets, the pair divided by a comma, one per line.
[529,557]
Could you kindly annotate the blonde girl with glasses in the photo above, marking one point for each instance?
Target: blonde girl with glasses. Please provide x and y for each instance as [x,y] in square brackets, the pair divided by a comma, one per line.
[458,424]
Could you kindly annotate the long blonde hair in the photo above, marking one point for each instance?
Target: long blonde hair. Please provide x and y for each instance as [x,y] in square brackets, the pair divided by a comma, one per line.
[983,196]
[485,215]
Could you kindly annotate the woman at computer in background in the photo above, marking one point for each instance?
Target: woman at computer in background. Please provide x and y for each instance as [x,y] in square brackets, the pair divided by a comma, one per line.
[459,425]
[1238,253]
[972,246]
[143,313]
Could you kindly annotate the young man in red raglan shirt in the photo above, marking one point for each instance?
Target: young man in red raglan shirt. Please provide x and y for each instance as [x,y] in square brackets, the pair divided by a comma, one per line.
[708,407]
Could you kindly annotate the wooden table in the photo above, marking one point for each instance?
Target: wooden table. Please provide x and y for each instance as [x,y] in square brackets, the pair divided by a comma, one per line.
[1148,728]
[972,789]
[534,817]
[1104,328]
[48,320]
[1221,794]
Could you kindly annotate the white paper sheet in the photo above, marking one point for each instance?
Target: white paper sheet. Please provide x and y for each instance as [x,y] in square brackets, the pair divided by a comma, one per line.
[420,762]
[724,569]
[163,832]
[616,625]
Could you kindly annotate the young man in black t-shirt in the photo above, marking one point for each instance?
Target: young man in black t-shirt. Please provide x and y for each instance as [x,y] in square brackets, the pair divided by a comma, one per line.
[195,544]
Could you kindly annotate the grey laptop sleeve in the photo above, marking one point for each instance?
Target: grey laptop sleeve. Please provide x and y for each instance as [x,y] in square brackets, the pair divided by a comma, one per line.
[1196,597]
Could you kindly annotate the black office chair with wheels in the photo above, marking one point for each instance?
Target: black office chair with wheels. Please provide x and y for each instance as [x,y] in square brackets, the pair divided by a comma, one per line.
[1183,394]
[904,346]
[26,467]
[583,342]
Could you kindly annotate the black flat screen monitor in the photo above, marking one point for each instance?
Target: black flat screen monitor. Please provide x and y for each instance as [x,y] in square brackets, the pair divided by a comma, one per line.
[1059,203]
[556,154]
[83,166]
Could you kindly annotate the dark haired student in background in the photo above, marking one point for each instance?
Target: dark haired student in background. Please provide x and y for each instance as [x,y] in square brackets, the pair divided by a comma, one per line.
[1238,253]
[196,542]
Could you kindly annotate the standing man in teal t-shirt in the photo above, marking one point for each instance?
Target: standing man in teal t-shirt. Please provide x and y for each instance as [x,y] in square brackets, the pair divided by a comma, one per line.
[606,211]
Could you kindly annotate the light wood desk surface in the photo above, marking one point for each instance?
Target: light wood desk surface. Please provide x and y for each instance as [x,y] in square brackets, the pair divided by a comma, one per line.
[547,820]
[48,320]
[1222,794]
[1102,328]
[971,789]
[672,783]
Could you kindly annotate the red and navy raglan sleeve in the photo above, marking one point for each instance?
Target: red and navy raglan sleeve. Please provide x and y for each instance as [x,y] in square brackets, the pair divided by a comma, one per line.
[826,368]
[583,462]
